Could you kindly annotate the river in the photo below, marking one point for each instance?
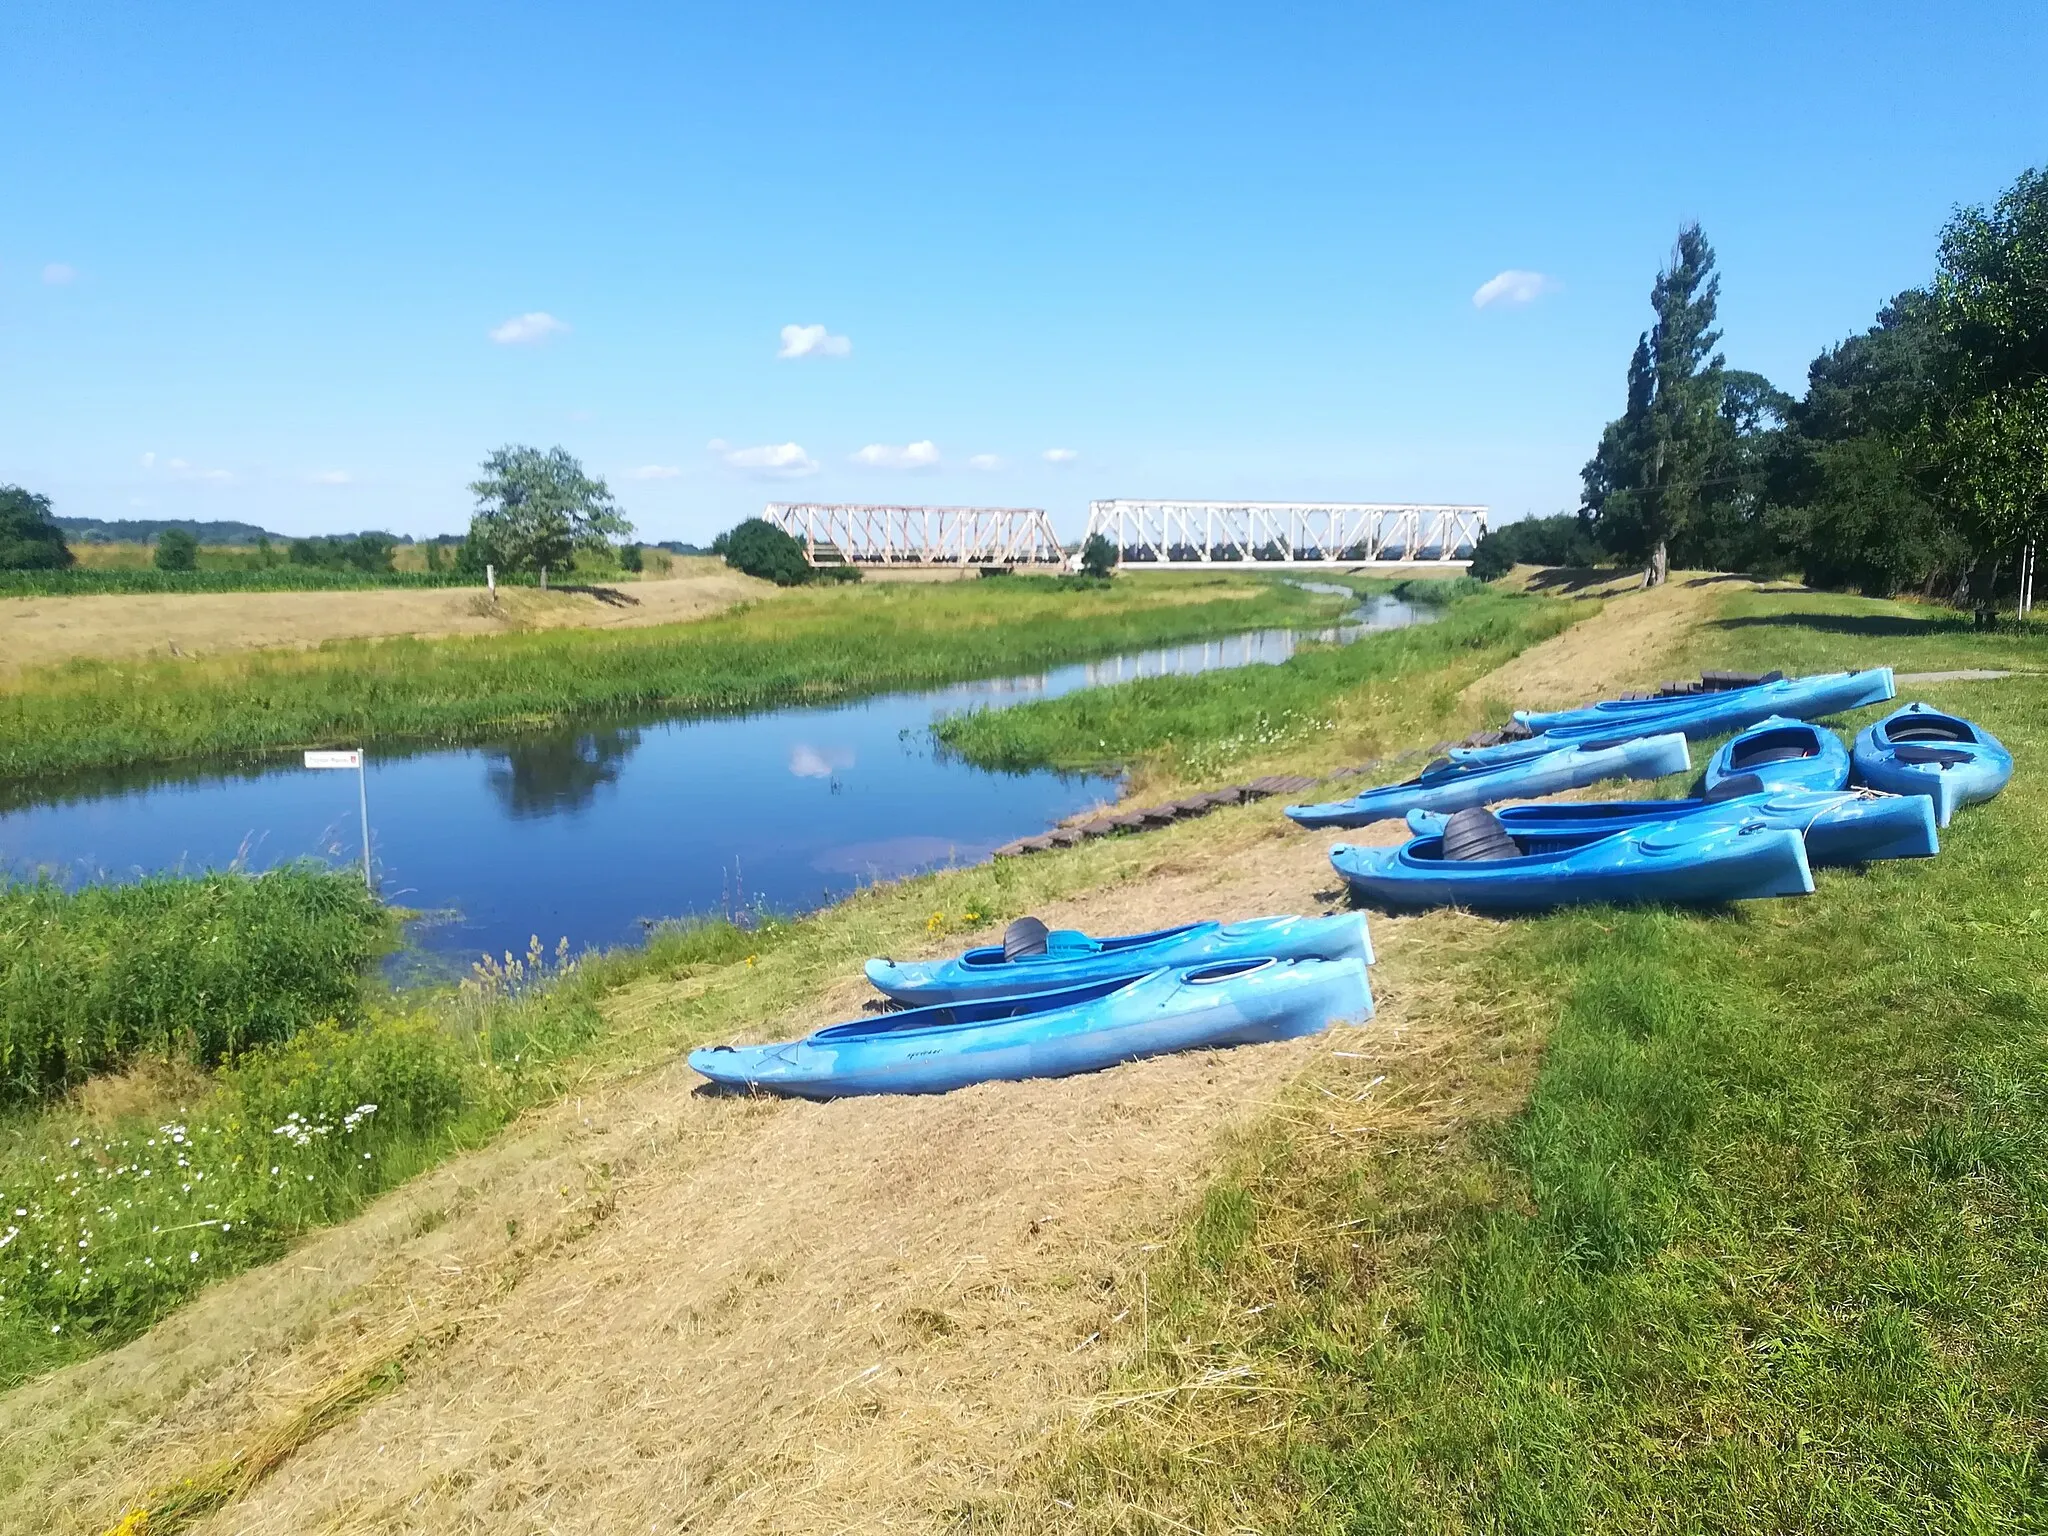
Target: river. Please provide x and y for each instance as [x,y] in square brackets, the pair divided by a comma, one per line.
[594,831]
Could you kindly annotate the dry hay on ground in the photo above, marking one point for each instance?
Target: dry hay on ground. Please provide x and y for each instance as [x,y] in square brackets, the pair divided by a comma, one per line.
[1633,642]
[39,631]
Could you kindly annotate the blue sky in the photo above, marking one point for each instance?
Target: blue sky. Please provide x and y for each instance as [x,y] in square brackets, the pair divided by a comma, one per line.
[253,257]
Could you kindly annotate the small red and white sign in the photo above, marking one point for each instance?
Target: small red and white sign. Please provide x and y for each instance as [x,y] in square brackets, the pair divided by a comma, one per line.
[352,759]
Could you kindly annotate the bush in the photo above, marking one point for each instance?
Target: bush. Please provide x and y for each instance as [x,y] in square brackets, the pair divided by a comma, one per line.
[630,558]
[30,539]
[1561,540]
[1098,556]
[176,550]
[199,970]
[759,548]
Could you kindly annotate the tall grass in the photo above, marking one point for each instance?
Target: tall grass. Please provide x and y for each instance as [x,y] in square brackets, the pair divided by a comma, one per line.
[103,580]
[1762,1251]
[806,646]
[197,970]
[1214,720]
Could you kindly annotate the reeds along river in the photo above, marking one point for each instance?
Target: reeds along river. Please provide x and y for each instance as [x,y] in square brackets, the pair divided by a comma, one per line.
[589,833]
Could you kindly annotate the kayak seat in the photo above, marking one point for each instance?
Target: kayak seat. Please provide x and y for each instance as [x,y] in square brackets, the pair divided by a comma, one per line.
[1026,936]
[1476,834]
[1756,755]
[1735,786]
[1929,728]
[1946,757]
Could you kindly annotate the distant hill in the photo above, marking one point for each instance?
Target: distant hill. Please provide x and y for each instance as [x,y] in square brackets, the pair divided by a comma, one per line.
[138,530]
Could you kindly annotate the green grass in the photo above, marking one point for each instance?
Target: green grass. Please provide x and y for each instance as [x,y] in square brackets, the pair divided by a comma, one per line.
[1762,1249]
[1198,726]
[196,970]
[810,645]
[1816,631]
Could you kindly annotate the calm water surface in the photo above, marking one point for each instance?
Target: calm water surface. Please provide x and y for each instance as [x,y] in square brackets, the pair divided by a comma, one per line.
[591,832]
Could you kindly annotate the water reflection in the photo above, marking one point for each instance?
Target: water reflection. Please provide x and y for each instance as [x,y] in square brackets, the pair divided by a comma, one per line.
[557,773]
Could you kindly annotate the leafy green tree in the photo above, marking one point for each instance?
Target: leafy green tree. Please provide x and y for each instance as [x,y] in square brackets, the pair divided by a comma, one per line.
[759,548]
[30,539]
[1985,437]
[630,558]
[1098,556]
[535,510]
[1846,493]
[176,550]
[1566,539]
[1644,485]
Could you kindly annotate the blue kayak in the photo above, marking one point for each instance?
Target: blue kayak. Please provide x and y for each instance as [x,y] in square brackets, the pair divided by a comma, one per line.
[1781,753]
[1849,826]
[1453,783]
[1919,750]
[1052,1034]
[1801,698]
[1686,861]
[1057,958]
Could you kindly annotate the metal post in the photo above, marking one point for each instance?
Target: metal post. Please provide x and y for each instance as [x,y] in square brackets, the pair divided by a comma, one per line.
[491,580]
[363,800]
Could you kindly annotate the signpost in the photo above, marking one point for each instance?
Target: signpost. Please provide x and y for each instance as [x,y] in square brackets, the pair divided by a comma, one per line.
[351,759]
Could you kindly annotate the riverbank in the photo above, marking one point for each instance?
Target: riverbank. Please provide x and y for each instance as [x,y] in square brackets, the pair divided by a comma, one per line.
[1305,1287]
[809,644]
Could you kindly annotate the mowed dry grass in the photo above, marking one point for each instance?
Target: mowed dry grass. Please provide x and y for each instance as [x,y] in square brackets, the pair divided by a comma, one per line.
[39,631]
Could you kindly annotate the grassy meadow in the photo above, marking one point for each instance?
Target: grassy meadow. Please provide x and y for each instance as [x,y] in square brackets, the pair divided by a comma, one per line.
[809,645]
[1720,1221]
[1329,701]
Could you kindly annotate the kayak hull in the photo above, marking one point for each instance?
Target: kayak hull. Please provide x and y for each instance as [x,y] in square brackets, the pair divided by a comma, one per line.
[1961,762]
[1781,753]
[1053,1034]
[1074,959]
[1839,826]
[1709,714]
[1462,783]
[1668,862]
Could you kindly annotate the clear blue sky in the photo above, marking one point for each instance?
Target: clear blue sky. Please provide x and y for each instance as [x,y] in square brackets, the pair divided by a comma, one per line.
[253,256]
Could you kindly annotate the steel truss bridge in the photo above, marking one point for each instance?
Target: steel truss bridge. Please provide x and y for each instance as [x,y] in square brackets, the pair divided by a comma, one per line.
[939,536]
[1183,535]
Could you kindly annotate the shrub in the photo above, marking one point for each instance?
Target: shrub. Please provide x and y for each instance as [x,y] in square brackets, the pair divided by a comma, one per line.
[176,550]
[195,969]
[1561,540]
[630,558]
[30,539]
[1098,556]
[759,548]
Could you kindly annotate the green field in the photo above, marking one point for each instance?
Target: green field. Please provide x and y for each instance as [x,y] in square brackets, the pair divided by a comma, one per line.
[807,646]
[1361,698]
[1727,1221]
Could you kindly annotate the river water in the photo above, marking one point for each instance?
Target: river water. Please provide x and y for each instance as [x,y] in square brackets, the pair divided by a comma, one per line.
[591,832]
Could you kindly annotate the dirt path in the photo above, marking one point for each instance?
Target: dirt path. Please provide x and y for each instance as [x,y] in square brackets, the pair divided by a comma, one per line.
[1633,641]
[39,631]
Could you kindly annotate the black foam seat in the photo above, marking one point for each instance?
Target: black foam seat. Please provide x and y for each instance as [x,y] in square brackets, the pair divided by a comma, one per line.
[1026,936]
[1475,834]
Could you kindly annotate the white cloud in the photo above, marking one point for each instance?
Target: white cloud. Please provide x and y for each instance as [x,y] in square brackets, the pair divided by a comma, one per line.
[179,469]
[985,461]
[655,472]
[812,341]
[1512,287]
[774,461]
[57,274]
[332,477]
[910,456]
[810,763]
[524,330]
[1060,455]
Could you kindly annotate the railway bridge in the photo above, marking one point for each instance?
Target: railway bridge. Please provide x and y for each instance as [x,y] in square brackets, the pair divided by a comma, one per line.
[1193,535]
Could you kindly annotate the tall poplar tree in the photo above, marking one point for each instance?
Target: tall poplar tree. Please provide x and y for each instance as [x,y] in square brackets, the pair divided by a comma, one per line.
[1647,481]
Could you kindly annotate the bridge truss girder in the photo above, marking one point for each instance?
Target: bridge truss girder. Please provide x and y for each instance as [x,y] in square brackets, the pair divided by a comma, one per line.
[1182,534]
[853,534]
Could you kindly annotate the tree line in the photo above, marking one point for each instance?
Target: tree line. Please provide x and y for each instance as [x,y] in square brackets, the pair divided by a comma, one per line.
[1917,459]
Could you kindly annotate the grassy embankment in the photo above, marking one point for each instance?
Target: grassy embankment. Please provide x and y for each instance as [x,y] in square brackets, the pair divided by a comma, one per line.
[107,569]
[806,646]
[1325,705]
[444,1073]
[1722,1221]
